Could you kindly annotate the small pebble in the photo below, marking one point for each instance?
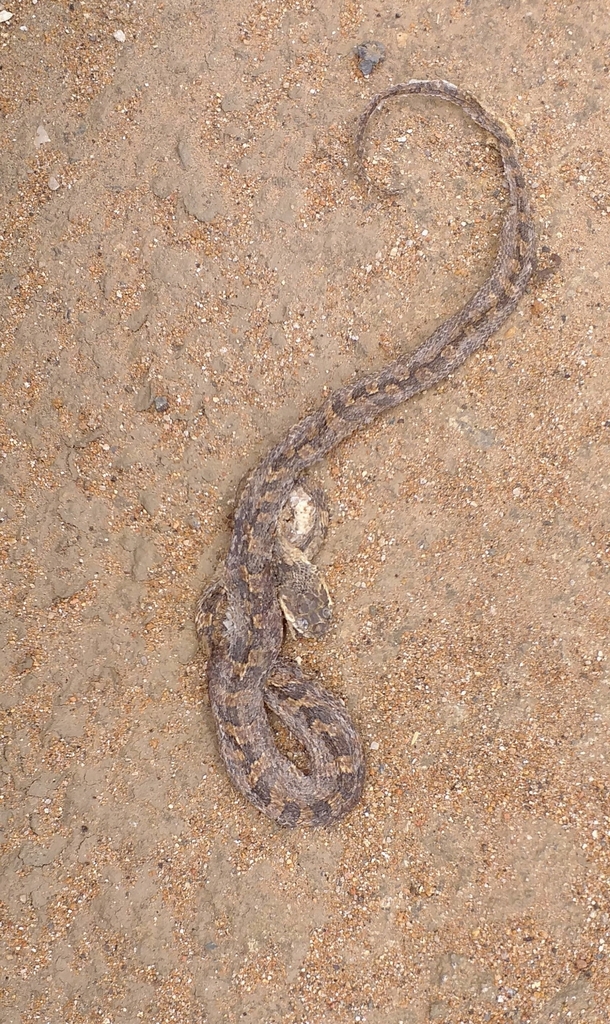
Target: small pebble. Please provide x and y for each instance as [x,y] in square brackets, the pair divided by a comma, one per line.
[41,136]
[161,404]
[119,35]
[369,55]
[150,502]
[185,154]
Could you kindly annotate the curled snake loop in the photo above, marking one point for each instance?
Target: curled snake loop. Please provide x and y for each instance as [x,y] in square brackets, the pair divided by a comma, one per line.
[240,615]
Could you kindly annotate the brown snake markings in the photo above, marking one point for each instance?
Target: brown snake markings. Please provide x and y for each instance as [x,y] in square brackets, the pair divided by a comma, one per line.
[239,614]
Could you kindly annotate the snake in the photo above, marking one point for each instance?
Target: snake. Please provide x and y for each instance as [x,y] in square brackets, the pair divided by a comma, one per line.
[242,613]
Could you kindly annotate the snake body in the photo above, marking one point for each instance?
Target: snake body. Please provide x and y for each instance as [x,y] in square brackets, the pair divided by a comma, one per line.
[239,614]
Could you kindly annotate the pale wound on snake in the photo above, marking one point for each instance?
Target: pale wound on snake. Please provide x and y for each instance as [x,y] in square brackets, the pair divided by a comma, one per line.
[268,576]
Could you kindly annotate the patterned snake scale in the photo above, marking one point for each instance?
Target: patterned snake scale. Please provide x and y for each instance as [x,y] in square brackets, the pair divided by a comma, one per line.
[239,615]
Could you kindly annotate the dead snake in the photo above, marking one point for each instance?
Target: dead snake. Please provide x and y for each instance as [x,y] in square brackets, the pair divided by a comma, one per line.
[239,614]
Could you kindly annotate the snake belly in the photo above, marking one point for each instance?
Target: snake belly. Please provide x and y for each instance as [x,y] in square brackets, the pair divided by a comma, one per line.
[239,615]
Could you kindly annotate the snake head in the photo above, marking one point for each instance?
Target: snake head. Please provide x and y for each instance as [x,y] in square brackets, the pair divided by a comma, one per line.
[308,613]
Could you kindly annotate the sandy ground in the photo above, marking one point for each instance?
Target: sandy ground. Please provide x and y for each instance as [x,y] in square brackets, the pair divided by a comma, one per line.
[188,263]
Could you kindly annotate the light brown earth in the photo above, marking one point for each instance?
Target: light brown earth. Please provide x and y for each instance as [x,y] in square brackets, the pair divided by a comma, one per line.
[193,231]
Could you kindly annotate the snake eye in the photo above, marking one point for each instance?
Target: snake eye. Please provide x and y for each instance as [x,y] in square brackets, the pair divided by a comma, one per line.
[302,624]
[325,613]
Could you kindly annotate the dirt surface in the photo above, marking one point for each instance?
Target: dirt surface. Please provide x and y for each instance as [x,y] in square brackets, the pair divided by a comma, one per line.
[189,263]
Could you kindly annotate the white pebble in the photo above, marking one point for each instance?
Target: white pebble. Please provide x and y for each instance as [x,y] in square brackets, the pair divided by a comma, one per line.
[41,136]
